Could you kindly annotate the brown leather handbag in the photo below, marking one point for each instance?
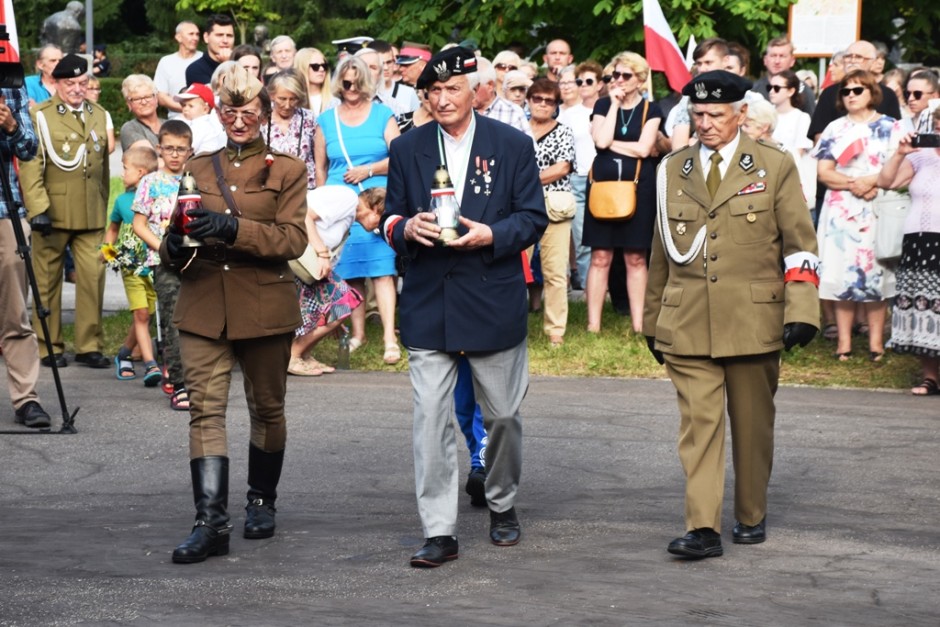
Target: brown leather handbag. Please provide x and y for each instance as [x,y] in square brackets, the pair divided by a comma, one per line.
[615,200]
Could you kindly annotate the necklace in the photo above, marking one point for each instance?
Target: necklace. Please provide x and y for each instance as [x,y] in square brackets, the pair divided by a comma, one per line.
[624,125]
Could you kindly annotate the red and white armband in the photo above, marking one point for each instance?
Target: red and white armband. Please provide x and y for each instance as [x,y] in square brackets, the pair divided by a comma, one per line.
[801,266]
[388,230]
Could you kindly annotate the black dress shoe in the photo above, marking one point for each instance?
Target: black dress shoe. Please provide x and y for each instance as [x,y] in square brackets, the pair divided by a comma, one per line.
[259,519]
[745,534]
[435,552]
[697,544]
[33,416]
[59,360]
[504,527]
[476,487]
[93,359]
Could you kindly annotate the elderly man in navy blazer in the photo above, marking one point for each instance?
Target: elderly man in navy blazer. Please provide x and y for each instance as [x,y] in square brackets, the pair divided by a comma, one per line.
[465,297]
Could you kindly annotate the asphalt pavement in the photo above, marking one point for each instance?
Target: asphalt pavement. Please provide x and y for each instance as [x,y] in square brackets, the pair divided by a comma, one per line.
[90,519]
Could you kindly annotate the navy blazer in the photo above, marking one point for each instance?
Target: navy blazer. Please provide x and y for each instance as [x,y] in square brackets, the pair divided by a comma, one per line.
[472,301]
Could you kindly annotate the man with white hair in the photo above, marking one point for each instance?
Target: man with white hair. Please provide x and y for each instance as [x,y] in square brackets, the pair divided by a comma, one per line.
[170,77]
[372,59]
[487,102]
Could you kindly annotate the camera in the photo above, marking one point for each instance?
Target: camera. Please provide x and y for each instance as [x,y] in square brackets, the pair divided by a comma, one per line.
[926,140]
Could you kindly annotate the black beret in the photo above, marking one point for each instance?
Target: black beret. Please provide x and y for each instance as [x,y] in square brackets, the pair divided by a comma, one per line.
[716,86]
[70,66]
[451,62]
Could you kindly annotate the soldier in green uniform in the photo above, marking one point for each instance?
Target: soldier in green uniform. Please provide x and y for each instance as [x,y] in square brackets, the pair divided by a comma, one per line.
[65,191]
[732,280]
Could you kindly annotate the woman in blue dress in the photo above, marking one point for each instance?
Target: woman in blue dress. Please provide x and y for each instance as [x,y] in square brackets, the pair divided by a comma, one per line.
[351,146]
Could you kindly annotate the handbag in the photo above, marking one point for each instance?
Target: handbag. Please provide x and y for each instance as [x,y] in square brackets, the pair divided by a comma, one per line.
[615,200]
[560,206]
[891,210]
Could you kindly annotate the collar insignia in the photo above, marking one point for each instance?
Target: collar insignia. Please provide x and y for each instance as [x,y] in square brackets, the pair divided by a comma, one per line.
[746,162]
[687,167]
[60,109]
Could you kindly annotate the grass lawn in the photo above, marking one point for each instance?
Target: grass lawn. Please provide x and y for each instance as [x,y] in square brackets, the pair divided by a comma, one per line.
[618,352]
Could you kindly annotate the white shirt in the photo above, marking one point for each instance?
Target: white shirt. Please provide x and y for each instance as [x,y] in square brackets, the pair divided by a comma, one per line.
[578,119]
[727,153]
[170,76]
[208,134]
[403,94]
[457,153]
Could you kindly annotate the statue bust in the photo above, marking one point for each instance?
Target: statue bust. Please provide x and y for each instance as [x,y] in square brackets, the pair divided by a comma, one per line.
[63,28]
[260,36]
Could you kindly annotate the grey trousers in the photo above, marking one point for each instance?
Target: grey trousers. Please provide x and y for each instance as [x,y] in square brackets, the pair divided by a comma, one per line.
[500,381]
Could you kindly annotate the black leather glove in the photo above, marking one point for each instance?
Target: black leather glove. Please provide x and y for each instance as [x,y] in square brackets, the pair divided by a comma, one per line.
[174,244]
[798,333]
[657,355]
[210,224]
[41,224]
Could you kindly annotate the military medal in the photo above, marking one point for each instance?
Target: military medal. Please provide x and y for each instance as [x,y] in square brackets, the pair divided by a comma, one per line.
[680,228]
[66,147]
[762,173]
[751,218]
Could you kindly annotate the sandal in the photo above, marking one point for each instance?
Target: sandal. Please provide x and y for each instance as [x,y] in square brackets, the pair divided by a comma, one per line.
[843,356]
[875,356]
[167,386]
[860,329]
[179,401]
[300,368]
[319,365]
[392,353]
[124,369]
[153,376]
[831,332]
[929,387]
[355,343]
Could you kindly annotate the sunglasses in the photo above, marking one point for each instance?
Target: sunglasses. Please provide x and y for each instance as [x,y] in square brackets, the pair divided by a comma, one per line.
[247,117]
[624,75]
[348,85]
[316,67]
[607,78]
[502,67]
[543,100]
[776,88]
[584,81]
[918,94]
[856,91]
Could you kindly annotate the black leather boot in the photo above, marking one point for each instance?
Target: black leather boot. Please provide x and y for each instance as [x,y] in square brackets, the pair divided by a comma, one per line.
[264,472]
[210,534]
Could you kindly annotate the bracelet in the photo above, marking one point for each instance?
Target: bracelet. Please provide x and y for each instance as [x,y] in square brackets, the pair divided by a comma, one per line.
[370,172]
[325,254]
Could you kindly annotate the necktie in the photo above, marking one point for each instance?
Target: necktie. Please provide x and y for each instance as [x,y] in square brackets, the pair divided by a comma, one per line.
[78,116]
[714,174]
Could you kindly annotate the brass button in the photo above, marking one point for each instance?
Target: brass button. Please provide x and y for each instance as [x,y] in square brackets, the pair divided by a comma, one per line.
[713,278]
[225,267]
[228,212]
[751,218]
[713,257]
[237,164]
[714,235]
[234,188]
[711,214]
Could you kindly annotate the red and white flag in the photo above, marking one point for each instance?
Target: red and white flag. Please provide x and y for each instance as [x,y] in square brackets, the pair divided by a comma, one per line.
[850,144]
[662,51]
[6,17]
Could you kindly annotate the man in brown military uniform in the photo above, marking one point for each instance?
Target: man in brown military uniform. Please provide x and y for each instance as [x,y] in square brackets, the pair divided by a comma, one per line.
[65,191]
[732,281]
[238,304]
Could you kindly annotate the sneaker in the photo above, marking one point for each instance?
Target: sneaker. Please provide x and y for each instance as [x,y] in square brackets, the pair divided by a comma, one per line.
[32,415]
[299,367]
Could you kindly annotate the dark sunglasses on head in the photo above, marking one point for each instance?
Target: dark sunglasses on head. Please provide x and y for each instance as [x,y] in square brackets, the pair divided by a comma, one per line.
[776,88]
[624,75]
[542,99]
[607,78]
[347,85]
[584,81]
[857,91]
[502,67]
[917,94]
[316,67]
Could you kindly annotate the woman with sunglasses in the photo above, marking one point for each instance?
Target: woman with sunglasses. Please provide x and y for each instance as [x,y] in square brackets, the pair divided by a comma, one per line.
[783,91]
[624,128]
[351,145]
[311,63]
[505,61]
[554,154]
[851,152]
[291,127]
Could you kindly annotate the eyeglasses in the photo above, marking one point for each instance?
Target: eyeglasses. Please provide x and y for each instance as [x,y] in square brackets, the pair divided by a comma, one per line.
[607,78]
[624,75]
[141,99]
[316,67]
[230,115]
[175,150]
[566,83]
[776,88]
[917,94]
[502,67]
[551,102]
[855,91]
[349,85]
[584,81]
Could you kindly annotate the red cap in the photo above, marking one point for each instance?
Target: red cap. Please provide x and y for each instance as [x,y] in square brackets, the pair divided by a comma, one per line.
[197,90]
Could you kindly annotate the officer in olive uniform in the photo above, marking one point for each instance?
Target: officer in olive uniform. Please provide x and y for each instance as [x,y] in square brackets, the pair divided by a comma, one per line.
[238,305]
[65,191]
[732,280]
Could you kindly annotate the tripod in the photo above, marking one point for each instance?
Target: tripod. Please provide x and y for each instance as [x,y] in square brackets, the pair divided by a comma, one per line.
[23,250]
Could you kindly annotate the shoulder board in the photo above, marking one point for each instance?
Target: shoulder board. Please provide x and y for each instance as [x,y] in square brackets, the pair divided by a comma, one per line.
[681,150]
[774,146]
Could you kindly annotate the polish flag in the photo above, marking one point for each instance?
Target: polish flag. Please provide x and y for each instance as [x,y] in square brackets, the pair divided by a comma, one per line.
[851,144]
[662,51]
[12,54]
